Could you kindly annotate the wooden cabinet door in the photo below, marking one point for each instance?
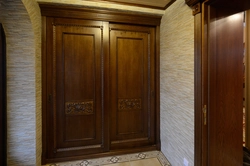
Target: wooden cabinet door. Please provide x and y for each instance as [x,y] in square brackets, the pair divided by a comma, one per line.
[132,86]
[76,122]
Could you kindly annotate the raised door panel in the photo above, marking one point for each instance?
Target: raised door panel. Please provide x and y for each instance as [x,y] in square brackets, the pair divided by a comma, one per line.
[77,88]
[131,84]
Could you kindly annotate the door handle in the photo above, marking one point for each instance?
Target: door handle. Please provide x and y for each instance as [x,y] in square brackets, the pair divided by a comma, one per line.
[205,114]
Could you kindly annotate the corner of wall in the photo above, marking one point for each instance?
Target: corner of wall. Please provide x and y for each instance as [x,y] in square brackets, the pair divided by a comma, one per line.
[33,10]
[22,102]
[177,83]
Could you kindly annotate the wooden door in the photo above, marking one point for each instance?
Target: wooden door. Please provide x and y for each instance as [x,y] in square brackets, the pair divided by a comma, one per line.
[222,87]
[2,98]
[132,86]
[76,123]
[90,66]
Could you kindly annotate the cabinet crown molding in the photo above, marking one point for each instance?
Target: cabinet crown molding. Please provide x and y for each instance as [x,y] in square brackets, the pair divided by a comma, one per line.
[191,3]
[99,14]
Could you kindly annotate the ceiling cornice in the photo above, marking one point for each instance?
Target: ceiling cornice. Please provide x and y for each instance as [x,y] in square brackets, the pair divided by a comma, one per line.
[154,5]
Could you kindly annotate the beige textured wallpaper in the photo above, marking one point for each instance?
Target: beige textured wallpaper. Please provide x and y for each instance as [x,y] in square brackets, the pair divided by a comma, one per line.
[21,86]
[33,10]
[177,84]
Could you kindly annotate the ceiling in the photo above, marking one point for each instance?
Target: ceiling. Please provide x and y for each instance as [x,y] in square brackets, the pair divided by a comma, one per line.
[154,4]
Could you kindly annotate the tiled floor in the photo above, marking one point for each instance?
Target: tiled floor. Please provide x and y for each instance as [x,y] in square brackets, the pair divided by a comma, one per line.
[151,158]
[144,162]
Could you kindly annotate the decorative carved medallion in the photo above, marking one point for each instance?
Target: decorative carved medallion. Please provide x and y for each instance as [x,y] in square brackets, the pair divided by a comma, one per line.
[79,108]
[127,104]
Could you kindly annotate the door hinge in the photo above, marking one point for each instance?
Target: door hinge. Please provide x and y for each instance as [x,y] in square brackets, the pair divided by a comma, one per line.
[205,114]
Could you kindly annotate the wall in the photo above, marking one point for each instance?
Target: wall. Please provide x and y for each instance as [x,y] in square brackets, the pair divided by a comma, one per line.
[177,83]
[20,83]
[23,94]
[35,17]
[21,22]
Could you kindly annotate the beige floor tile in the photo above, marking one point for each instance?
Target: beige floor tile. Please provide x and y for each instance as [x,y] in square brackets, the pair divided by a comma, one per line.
[152,158]
[119,164]
[146,162]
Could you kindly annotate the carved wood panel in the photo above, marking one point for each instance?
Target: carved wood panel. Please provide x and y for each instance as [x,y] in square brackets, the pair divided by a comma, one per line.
[129,104]
[79,108]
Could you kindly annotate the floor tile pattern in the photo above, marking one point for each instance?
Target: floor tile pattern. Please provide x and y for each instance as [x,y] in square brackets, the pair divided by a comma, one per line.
[151,158]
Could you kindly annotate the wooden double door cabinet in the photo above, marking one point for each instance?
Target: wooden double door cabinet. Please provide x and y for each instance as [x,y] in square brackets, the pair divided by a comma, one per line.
[100,87]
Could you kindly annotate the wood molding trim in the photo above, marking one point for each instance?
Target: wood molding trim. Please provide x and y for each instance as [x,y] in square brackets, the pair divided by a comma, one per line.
[198,88]
[2,98]
[195,5]
[196,9]
[247,79]
[99,14]
[191,3]
[99,155]
[134,4]
[44,90]
[157,91]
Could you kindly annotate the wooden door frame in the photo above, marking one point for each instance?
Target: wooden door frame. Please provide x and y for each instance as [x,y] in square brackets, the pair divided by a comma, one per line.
[2,97]
[197,13]
[247,79]
[200,149]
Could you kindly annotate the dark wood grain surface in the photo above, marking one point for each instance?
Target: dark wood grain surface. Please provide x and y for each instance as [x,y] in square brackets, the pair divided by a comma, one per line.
[3,116]
[100,86]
